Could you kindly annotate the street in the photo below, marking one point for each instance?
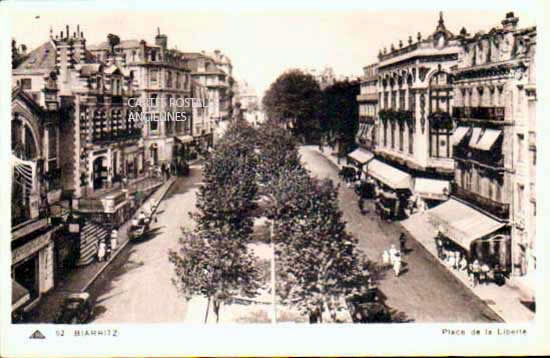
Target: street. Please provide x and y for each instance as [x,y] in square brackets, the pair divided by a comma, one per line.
[137,286]
[426,291]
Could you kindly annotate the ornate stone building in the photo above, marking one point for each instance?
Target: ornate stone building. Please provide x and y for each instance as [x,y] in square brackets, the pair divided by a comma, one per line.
[101,142]
[36,192]
[415,99]
[494,143]
[162,83]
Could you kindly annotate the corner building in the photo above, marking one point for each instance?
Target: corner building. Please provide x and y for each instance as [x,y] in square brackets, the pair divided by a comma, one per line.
[414,125]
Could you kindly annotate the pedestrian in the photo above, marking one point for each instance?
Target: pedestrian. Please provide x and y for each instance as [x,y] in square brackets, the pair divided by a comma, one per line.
[386,258]
[397,265]
[393,253]
[361,204]
[463,263]
[101,251]
[402,242]
[114,239]
[476,272]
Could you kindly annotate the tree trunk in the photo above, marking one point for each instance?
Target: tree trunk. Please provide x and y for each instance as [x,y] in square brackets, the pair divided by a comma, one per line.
[207,309]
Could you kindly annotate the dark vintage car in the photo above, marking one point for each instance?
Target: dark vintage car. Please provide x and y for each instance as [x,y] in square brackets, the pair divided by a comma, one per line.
[368,308]
[76,309]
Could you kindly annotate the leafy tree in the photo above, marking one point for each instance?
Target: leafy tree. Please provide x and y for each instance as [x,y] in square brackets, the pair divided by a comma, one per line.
[340,114]
[318,258]
[294,99]
[214,264]
[213,260]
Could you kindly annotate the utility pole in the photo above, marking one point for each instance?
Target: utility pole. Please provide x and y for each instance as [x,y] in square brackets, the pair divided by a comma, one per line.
[273,295]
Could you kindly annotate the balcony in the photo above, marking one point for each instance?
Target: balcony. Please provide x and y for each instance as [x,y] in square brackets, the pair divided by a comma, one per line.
[500,210]
[491,160]
[447,164]
[479,113]
[368,97]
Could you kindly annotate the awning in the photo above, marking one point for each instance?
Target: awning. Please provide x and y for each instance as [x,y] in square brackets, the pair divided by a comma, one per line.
[475,137]
[392,177]
[488,139]
[184,139]
[459,134]
[361,155]
[19,295]
[431,188]
[461,223]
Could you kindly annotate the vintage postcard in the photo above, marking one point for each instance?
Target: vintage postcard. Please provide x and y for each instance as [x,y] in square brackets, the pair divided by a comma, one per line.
[292,179]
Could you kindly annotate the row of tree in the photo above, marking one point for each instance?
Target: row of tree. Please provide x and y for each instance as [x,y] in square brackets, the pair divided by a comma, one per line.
[317,261]
[311,113]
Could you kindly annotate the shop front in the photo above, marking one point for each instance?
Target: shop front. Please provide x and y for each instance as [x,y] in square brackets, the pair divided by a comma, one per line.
[32,270]
[473,233]
[392,188]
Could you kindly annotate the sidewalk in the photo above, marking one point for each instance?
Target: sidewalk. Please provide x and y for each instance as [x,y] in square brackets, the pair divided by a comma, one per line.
[80,278]
[503,300]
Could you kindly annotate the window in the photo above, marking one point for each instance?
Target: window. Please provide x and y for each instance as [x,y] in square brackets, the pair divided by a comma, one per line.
[412,101]
[401,130]
[168,79]
[498,191]
[386,100]
[153,56]
[402,100]
[385,134]
[26,83]
[154,100]
[520,197]
[411,141]
[153,124]
[392,128]
[520,148]
[178,80]
[393,95]
[154,74]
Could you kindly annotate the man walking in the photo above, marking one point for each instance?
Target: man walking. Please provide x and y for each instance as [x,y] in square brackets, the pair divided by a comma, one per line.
[402,242]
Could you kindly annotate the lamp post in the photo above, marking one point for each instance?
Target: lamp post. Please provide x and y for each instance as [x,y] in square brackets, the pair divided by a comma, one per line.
[273,293]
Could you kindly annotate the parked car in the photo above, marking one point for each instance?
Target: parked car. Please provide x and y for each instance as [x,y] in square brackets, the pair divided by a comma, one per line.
[76,309]
[368,308]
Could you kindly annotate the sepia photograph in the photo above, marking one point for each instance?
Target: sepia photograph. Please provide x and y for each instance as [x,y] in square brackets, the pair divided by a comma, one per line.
[291,167]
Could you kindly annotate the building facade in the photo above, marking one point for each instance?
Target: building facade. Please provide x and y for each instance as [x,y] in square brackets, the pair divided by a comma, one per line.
[162,85]
[495,149]
[415,99]
[36,193]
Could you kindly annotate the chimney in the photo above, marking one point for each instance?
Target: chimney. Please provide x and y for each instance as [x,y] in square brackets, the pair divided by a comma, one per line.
[510,22]
[161,40]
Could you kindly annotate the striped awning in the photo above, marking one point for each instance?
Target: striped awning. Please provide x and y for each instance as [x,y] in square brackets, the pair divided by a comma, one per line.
[459,134]
[475,137]
[488,139]
[461,223]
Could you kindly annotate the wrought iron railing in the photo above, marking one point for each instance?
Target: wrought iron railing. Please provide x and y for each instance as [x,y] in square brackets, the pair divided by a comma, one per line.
[500,210]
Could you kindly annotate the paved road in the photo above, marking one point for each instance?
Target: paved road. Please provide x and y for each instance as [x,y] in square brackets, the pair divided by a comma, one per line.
[137,286]
[426,292]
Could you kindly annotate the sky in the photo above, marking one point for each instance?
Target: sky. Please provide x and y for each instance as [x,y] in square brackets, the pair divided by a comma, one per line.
[264,43]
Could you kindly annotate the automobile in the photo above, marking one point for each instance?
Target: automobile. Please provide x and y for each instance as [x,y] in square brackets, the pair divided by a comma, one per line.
[76,309]
[368,307]
[136,232]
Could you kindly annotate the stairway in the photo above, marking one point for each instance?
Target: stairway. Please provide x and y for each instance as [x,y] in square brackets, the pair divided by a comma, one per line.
[89,240]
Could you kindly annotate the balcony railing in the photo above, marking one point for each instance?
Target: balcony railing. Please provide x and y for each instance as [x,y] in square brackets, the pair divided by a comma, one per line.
[484,113]
[367,97]
[500,210]
[491,159]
